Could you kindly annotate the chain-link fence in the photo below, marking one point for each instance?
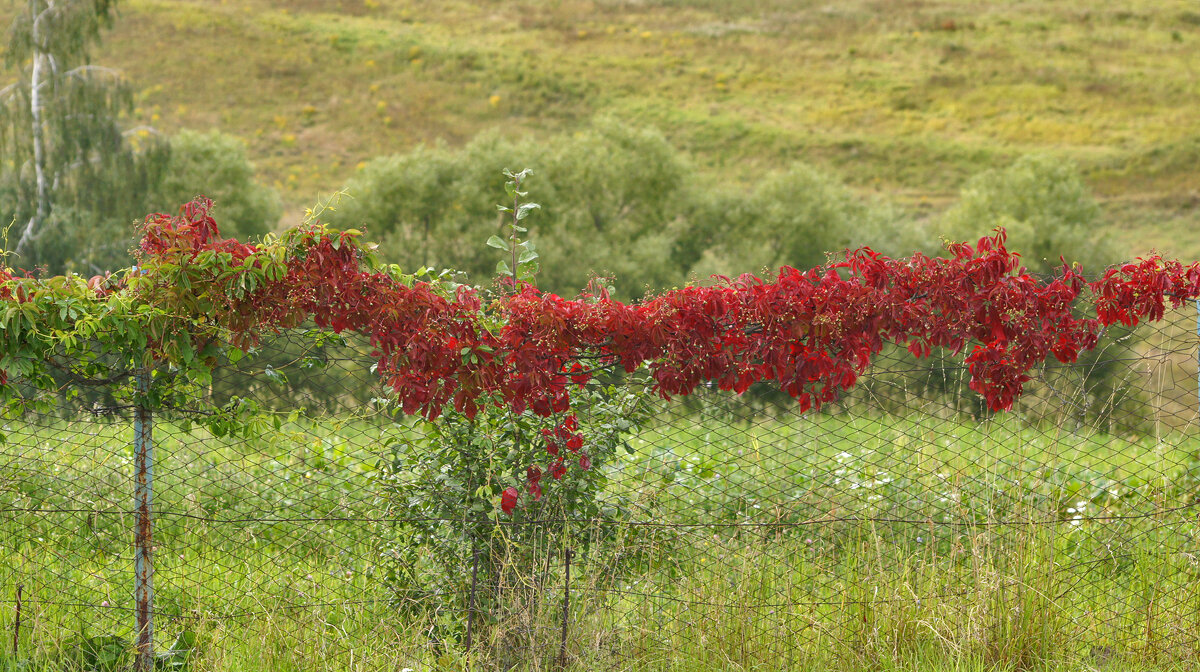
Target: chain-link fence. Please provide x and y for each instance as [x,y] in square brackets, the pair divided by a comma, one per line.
[902,522]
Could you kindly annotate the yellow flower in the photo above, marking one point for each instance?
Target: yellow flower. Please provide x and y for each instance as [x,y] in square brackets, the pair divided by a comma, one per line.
[494,101]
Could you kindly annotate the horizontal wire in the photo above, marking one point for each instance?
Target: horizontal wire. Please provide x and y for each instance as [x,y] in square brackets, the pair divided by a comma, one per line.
[629,523]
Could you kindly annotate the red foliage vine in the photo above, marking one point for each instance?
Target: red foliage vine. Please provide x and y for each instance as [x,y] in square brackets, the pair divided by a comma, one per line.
[812,332]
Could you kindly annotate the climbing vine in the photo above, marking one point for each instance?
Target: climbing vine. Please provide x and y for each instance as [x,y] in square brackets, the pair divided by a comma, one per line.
[194,297]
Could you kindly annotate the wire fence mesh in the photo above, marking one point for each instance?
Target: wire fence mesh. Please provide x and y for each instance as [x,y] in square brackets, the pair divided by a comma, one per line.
[733,532]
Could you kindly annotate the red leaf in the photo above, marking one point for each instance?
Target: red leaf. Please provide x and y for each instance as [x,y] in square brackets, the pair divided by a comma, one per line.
[508,500]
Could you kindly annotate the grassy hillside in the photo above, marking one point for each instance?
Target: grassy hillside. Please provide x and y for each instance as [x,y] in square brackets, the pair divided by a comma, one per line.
[904,98]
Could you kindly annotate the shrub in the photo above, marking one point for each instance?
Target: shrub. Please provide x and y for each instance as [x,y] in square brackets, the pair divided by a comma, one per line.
[796,218]
[615,199]
[1046,208]
[446,553]
[430,206]
[445,487]
[215,164]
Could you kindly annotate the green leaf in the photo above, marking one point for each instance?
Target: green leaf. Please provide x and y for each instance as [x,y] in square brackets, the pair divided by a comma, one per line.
[524,209]
[502,268]
[497,242]
[527,256]
[185,640]
[529,270]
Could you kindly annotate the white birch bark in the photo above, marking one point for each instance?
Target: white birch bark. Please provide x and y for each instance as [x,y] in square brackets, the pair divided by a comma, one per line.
[39,150]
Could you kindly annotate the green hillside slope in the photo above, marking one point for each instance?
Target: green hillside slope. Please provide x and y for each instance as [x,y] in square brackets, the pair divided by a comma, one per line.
[905,98]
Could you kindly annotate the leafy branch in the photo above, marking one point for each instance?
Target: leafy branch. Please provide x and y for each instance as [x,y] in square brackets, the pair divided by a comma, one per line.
[522,253]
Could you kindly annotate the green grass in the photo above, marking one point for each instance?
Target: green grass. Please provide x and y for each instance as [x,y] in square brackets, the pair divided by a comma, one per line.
[835,541]
[904,99]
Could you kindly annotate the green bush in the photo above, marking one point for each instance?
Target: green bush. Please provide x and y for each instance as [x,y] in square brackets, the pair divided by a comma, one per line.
[1046,208]
[619,202]
[796,218]
[216,165]
[432,205]
[615,207]
[614,195]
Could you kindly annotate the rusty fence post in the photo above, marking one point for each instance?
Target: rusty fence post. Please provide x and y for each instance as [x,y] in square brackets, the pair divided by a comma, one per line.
[143,443]
[562,646]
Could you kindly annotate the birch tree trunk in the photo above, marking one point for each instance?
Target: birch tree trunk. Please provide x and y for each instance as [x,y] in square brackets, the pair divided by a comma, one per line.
[39,150]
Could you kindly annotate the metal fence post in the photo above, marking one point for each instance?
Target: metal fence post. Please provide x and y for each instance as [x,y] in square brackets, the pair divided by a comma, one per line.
[17,624]
[562,645]
[471,598]
[143,442]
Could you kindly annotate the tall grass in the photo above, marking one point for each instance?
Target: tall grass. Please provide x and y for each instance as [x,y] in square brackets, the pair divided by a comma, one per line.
[833,541]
